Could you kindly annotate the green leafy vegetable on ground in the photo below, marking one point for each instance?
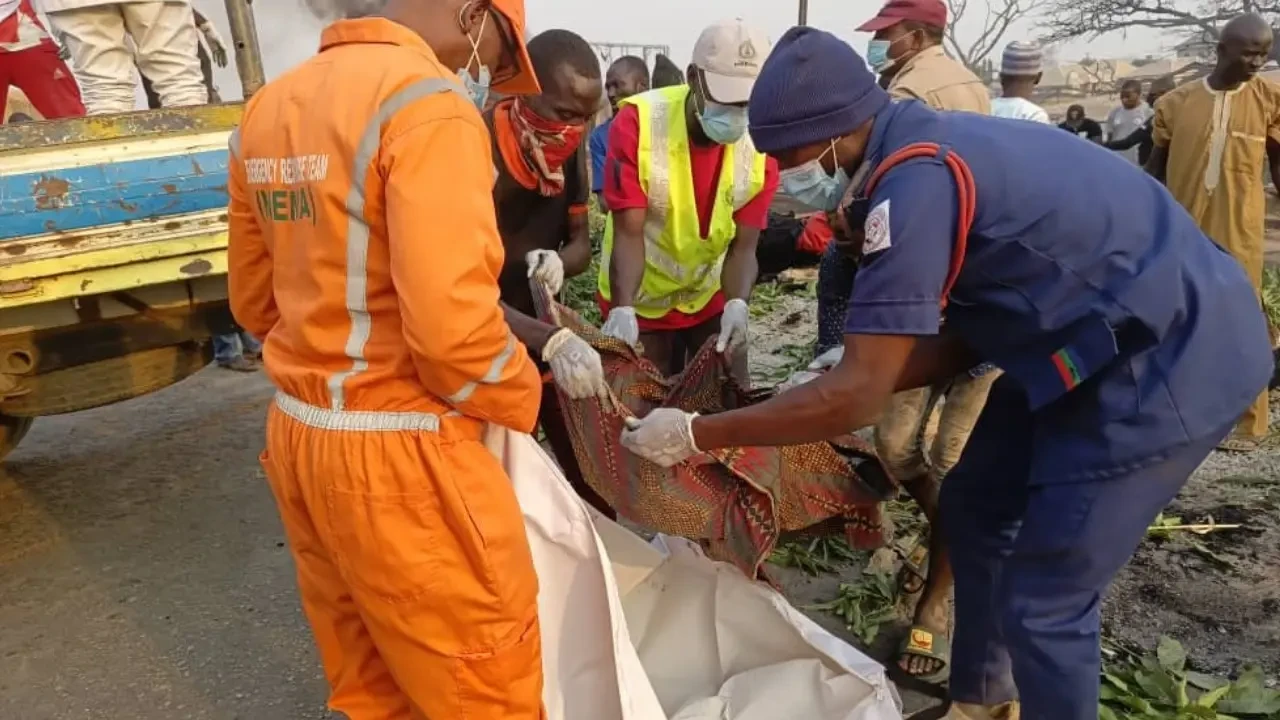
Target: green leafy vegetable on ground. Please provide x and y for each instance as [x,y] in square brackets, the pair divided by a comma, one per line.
[1160,686]
[865,605]
[814,556]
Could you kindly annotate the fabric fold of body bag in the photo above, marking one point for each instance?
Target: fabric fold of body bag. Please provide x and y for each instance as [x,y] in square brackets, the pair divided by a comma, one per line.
[657,631]
[737,502]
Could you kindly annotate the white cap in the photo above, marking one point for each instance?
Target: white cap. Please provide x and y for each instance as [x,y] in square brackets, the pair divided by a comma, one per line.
[730,54]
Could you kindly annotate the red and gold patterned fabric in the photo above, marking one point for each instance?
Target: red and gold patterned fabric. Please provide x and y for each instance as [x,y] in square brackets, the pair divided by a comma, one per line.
[739,501]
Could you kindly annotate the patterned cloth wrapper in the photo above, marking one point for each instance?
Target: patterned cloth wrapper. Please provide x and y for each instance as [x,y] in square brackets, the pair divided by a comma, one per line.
[737,502]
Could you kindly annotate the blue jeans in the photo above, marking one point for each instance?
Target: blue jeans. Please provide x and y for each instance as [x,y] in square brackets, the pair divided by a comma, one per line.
[226,348]
[1032,562]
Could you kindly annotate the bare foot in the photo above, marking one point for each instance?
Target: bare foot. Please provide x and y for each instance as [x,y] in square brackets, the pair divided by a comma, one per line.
[927,649]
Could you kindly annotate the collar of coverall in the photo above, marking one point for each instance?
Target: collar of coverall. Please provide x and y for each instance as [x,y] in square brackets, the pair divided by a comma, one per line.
[382,30]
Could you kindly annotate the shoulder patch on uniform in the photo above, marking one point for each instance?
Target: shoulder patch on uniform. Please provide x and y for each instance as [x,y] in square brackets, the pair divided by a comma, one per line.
[877,230]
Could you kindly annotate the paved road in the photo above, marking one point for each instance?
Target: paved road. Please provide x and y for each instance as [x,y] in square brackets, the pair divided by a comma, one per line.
[143,572]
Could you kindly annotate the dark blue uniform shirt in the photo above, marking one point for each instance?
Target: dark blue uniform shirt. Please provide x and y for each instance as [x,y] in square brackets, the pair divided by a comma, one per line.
[1131,331]
[598,145]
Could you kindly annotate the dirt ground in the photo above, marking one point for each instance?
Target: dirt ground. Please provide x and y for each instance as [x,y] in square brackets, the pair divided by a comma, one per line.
[1218,593]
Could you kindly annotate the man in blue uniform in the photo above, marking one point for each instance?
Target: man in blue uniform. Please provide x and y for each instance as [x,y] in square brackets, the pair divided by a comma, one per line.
[1130,344]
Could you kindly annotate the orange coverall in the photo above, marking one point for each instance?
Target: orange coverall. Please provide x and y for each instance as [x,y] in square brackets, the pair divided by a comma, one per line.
[365,250]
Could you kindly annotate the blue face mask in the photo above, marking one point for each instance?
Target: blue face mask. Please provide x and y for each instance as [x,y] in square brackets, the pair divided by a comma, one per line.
[478,89]
[811,185]
[478,86]
[878,54]
[723,124]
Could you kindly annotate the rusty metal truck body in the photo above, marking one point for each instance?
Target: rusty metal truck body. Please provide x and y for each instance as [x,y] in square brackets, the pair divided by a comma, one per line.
[113,235]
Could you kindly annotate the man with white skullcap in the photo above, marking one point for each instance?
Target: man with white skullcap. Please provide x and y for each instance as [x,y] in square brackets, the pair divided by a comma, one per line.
[1020,71]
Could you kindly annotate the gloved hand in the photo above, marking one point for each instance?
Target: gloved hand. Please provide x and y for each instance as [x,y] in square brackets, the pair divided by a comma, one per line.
[733,326]
[621,324]
[827,360]
[664,436]
[546,267]
[217,47]
[576,366]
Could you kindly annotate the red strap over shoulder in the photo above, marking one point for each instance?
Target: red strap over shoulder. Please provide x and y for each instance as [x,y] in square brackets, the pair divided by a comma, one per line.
[966,194]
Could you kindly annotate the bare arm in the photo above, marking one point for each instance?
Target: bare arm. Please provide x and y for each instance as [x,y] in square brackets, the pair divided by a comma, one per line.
[1273,160]
[1158,164]
[850,396]
[576,253]
[740,265]
[626,264]
[531,331]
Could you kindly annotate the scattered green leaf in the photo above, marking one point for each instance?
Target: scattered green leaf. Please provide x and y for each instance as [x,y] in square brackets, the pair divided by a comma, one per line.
[814,556]
[865,605]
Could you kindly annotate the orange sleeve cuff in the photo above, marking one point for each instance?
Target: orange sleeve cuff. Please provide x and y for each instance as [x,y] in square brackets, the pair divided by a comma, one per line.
[577,210]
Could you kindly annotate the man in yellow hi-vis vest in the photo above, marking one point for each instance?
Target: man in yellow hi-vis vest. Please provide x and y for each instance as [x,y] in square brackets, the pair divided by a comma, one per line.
[689,196]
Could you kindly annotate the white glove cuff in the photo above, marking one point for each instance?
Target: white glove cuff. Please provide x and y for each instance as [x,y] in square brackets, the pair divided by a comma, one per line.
[739,301]
[688,428]
[625,310]
[557,341]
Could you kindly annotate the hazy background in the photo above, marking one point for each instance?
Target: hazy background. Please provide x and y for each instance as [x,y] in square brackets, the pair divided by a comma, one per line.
[289,34]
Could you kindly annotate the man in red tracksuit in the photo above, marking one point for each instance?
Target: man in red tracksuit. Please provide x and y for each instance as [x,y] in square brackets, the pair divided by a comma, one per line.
[29,60]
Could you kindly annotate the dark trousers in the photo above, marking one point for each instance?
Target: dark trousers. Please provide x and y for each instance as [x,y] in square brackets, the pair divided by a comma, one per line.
[835,285]
[671,350]
[551,418]
[1032,562]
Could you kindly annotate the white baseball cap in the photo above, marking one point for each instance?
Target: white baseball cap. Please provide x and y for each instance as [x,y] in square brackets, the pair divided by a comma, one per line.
[730,54]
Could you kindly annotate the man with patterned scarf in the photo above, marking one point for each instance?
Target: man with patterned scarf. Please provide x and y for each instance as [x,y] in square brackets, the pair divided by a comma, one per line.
[540,193]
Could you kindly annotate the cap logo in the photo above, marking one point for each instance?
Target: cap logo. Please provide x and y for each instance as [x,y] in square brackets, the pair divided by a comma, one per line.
[747,51]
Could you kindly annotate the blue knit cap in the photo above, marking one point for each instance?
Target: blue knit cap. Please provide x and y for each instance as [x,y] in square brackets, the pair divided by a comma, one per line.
[813,88]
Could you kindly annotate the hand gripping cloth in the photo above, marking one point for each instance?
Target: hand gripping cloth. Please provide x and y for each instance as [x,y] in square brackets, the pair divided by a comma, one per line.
[737,502]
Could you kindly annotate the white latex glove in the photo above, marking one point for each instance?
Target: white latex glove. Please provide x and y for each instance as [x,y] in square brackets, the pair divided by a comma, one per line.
[828,359]
[798,378]
[664,436]
[216,45]
[621,324]
[546,267]
[576,366]
[733,326]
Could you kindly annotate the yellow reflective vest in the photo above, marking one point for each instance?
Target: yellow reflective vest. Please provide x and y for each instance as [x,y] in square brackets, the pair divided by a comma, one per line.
[681,268]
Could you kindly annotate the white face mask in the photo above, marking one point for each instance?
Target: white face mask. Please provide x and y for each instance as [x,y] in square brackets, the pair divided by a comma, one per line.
[477,86]
[810,184]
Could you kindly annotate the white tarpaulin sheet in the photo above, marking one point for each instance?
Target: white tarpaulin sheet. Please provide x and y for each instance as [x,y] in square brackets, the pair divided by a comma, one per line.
[656,631]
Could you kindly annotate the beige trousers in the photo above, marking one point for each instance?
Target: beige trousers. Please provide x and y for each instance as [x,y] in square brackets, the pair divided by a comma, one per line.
[165,38]
[902,433]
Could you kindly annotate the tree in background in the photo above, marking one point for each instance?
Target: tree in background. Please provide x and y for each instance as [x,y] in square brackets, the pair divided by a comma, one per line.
[1069,19]
[1000,14]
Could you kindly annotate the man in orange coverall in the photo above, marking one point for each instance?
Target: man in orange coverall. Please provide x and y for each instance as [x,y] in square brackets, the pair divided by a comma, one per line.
[364,250]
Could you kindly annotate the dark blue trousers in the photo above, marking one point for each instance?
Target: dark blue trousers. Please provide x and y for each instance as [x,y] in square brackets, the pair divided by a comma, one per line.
[835,285]
[1032,562]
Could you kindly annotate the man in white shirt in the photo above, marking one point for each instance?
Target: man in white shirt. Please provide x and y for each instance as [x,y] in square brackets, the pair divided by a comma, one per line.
[1129,117]
[163,33]
[1020,70]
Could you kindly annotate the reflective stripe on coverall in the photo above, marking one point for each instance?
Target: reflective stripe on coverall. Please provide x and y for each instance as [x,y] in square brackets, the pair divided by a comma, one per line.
[365,251]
